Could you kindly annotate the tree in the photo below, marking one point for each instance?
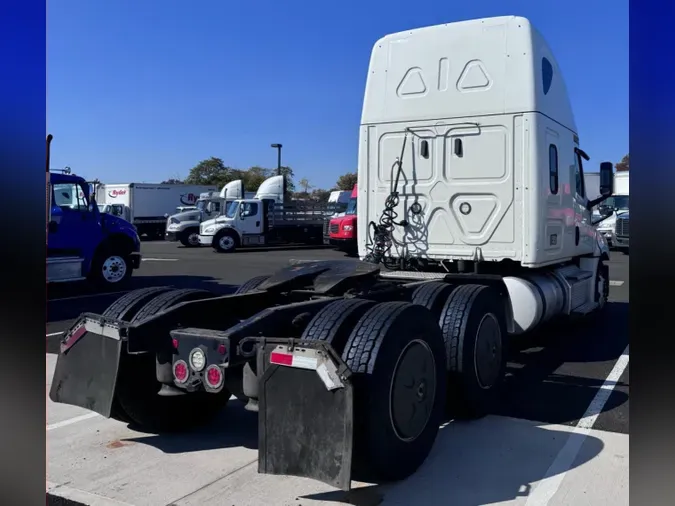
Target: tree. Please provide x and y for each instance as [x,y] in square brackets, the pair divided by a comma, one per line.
[304,184]
[320,195]
[623,165]
[347,181]
[172,181]
[210,172]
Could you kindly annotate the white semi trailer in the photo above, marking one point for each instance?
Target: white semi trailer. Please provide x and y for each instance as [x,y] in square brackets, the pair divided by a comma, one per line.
[473,226]
[613,208]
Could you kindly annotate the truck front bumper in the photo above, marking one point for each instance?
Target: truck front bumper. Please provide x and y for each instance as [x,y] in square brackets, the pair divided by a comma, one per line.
[609,237]
[205,240]
[171,236]
[136,259]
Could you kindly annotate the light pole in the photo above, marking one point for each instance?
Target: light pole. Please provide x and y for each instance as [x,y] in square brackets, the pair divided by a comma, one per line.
[278,148]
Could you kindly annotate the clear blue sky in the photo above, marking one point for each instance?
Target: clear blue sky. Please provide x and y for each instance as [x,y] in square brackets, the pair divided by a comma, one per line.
[143,90]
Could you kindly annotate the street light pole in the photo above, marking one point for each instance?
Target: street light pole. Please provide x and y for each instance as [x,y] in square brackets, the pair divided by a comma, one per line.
[278,148]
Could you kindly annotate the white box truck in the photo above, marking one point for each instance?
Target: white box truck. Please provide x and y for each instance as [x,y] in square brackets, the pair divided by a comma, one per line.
[147,205]
[615,207]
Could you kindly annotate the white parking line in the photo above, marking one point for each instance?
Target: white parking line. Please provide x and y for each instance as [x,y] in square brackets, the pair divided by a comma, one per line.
[555,475]
[616,283]
[71,421]
[160,259]
[55,334]
[88,296]
[80,496]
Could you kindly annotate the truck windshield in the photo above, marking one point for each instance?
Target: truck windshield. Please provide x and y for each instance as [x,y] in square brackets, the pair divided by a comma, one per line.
[351,207]
[619,202]
[232,209]
[201,205]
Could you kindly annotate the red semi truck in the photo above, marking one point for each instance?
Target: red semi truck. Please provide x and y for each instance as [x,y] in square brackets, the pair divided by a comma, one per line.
[342,229]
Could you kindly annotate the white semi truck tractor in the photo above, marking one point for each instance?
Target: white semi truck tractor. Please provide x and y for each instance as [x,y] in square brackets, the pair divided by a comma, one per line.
[474,226]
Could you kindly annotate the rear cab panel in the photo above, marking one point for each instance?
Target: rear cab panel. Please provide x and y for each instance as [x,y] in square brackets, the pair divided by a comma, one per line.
[469,97]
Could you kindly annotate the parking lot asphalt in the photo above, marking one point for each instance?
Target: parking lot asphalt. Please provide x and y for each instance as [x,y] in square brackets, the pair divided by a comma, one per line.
[555,378]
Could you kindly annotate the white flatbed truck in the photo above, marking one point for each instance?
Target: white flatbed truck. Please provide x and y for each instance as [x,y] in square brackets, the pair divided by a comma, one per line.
[473,226]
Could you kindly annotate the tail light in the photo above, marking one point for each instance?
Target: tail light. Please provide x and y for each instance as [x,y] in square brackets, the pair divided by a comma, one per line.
[180,371]
[213,376]
[197,359]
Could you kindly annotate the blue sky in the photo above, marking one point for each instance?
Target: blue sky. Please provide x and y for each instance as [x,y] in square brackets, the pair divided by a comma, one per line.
[143,90]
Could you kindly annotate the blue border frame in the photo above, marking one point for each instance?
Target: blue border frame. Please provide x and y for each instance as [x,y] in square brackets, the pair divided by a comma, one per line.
[652,150]
[22,159]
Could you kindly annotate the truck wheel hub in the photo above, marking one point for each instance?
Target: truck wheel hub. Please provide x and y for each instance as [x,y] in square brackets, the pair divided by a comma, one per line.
[114,268]
[412,390]
[488,351]
[226,242]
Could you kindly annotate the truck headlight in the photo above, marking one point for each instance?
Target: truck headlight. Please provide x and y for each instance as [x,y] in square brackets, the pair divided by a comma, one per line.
[348,228]
[174,221]
[209,230]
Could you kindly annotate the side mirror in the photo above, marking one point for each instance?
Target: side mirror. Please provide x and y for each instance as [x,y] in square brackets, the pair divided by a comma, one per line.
[606,179]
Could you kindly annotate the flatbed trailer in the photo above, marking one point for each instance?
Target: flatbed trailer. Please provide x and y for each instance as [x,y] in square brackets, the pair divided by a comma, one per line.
[352,365]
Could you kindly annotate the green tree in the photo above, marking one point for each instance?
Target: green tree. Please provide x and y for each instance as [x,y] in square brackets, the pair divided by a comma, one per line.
[305,185]
[320,195]
[172,181]
[347,181]
[623,165]
[210,172]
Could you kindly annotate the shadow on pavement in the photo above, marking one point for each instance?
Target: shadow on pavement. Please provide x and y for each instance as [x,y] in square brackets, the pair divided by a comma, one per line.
[538,387]
[487,461]
[233,427]
[59,310]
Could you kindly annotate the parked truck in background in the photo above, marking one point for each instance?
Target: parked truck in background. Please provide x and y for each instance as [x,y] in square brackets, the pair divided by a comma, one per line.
[342,229]
[613,208]
[184,227]
[267,219]
[458,253]
[147,206]
[337,205]
[82,243]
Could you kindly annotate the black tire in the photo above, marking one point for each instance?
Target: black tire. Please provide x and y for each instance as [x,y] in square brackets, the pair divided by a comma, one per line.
[474,389]
[335,322]
[126,306]
[189,238]
[225,241]
[111,268]
[384,334]
[168,299]
[432,296]
[137,385]
[251,285]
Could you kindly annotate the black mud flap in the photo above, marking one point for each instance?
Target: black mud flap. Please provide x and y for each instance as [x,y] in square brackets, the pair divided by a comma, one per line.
[306,412]
[86,369]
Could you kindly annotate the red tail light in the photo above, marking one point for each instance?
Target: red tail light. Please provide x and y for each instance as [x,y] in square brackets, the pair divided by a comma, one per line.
[213,376]
[180,371]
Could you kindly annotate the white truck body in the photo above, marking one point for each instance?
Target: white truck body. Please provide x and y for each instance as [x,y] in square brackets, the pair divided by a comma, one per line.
[620,201]
[147,205]
[263,219]
[184,226]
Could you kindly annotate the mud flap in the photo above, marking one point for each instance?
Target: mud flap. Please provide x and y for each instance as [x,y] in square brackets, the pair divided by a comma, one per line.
[305,419]
[86,369]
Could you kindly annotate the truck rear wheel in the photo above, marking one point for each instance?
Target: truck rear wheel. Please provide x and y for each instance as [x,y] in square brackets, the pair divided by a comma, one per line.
[473,323]
[137,386]
[251,285]
[189,238]
[397,355]
[335,322]
[432,295]
[125,308]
